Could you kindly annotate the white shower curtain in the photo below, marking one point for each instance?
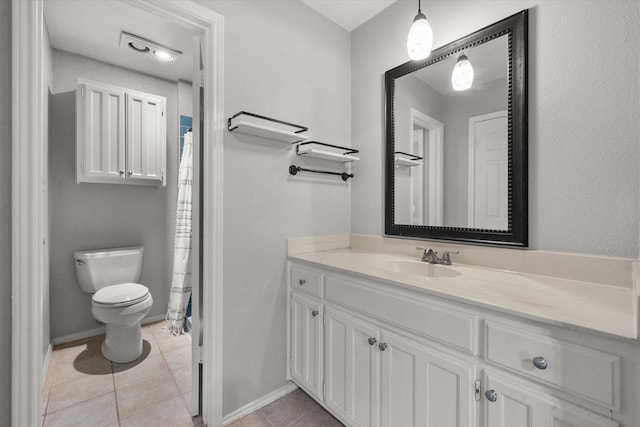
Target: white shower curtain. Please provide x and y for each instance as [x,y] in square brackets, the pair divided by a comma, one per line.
[181,280]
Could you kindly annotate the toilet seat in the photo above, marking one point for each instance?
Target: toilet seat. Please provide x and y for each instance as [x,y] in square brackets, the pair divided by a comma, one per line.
[121,295]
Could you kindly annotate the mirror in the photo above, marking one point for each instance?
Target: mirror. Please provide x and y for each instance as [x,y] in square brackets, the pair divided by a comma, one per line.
[456,160]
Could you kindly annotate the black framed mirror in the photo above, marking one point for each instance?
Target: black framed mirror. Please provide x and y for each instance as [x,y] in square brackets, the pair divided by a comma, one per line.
[456,158]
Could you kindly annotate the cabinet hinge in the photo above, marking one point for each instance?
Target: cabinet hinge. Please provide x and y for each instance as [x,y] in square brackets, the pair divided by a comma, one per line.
[82,91]
[324,318]
[198,355]
[198,77]
[82,167]
[477,390]
[324,388]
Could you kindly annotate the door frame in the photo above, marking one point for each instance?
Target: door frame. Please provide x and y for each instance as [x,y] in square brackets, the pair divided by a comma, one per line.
[471,163]
[436,163]
[29,250]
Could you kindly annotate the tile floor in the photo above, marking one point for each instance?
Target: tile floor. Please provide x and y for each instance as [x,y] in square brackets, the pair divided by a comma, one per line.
[83,388]
[296,409]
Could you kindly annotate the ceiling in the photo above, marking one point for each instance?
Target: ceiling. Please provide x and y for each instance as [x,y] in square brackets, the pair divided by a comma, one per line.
[92,29]
[349,14]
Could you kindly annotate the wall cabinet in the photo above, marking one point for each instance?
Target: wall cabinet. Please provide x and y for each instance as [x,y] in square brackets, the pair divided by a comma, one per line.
[378,368]
[120,135]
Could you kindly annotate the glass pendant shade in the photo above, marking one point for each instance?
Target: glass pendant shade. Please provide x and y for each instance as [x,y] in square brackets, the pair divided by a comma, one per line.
[420,39]
[462,75]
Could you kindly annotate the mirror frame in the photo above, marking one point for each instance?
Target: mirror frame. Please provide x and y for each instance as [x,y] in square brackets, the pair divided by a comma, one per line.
[515,28]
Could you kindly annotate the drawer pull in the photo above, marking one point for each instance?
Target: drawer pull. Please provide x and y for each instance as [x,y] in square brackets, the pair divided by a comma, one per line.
[491,395]
[540,362]
[314,313]
[382,346]
[302,282]
[372,341]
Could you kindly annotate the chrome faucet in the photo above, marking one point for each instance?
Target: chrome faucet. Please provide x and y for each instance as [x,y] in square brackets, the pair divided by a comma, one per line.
[431,256]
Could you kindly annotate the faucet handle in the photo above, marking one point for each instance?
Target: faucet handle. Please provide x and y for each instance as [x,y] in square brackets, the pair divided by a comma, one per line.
[446,258]
[418,248]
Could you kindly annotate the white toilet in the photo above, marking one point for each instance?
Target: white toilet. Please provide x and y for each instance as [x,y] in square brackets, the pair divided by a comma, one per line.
[118,302]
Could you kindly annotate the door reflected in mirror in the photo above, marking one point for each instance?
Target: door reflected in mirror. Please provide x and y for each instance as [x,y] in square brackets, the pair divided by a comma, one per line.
[461,179]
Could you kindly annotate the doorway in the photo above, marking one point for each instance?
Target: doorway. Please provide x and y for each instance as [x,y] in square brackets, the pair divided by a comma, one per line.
[30,166]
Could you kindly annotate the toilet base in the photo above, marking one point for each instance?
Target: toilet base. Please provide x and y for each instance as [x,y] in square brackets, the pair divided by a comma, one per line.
[122,343]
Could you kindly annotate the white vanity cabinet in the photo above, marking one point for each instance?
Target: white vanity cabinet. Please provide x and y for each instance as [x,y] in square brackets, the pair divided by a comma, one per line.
[390,357]
[120,135]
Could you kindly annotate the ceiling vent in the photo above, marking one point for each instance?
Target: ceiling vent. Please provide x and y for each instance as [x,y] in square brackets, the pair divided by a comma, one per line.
[141,45]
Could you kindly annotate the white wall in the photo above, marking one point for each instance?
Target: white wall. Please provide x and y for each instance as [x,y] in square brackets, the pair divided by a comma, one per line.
[94,216]
[583,115]
[5,213]
[283,60]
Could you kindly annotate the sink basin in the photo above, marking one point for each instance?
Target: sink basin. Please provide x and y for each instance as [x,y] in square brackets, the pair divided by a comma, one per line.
[418,268]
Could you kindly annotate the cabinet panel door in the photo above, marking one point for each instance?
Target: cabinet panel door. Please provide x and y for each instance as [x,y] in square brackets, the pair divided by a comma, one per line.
[101,133]
[352,368]
[424,387]
[516,405]
[146,137]
[306,343]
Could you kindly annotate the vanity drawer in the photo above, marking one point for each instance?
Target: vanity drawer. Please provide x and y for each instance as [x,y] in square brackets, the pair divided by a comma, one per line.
[306,280]
[435,321]
[581,371]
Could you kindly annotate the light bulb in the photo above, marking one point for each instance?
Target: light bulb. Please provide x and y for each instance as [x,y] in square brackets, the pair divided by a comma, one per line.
[163,55]
[420,38]
[462,75]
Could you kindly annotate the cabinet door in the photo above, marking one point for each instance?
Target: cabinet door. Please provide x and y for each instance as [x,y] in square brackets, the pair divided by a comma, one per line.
[424,387]
[306,343]
[352,366]
[516,405]
[146,138]
[100,133]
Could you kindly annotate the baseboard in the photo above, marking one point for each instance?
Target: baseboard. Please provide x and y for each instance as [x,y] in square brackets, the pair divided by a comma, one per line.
[45,364]
[98,331]
[258,403]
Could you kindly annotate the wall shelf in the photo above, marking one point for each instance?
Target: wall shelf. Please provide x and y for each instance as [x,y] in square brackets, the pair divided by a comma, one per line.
[407,159]
[321,150]
[266,127]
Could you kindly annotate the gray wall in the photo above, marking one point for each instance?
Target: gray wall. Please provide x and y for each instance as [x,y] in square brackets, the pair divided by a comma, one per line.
[5,213]
[583,115]
[412,92]
[457,109]
[286,61]
[93,216]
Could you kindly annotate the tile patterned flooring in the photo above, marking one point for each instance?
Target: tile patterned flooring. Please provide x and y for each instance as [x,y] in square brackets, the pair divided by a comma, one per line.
[83,388]
[296,409]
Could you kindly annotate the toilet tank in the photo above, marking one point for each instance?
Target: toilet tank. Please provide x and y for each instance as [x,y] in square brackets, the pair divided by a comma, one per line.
[105,267]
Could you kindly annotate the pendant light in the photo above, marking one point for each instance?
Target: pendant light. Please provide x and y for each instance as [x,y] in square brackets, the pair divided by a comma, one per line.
[462,75]
[420,37]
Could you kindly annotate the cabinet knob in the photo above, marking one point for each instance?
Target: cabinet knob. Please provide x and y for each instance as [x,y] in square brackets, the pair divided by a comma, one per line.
[382,346]
[372,341]
[121,172]
[491,395]
[130,173]
[314,313]
[302,282]
[540,362]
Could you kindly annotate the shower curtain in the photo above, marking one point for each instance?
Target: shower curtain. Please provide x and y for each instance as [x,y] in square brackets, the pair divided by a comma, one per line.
[181,280]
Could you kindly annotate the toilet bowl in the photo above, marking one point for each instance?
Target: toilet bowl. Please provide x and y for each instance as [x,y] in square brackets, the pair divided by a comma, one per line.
[117,301]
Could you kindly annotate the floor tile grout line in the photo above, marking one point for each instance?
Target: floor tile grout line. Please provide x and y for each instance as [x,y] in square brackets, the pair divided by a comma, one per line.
[115,393]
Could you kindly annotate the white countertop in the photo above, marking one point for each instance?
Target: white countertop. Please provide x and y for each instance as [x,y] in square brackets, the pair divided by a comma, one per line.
[597,307]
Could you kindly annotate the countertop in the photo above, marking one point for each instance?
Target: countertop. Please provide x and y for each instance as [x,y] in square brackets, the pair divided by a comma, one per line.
[592,306]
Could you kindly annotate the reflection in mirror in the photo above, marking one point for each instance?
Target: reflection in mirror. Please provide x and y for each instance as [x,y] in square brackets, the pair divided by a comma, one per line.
[456,164]
[462,139]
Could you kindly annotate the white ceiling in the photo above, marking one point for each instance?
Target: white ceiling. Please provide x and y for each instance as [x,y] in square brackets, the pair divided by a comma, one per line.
[92,29]
[349,14]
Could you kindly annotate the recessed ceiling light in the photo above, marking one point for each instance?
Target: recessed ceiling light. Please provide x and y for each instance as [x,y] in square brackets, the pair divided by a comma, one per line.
[163,55]
[142,45]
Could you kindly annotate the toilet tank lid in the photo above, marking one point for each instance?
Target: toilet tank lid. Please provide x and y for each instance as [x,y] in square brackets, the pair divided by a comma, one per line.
[102,253]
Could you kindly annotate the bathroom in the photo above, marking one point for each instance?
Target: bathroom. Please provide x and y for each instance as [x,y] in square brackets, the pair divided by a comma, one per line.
[302,68]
